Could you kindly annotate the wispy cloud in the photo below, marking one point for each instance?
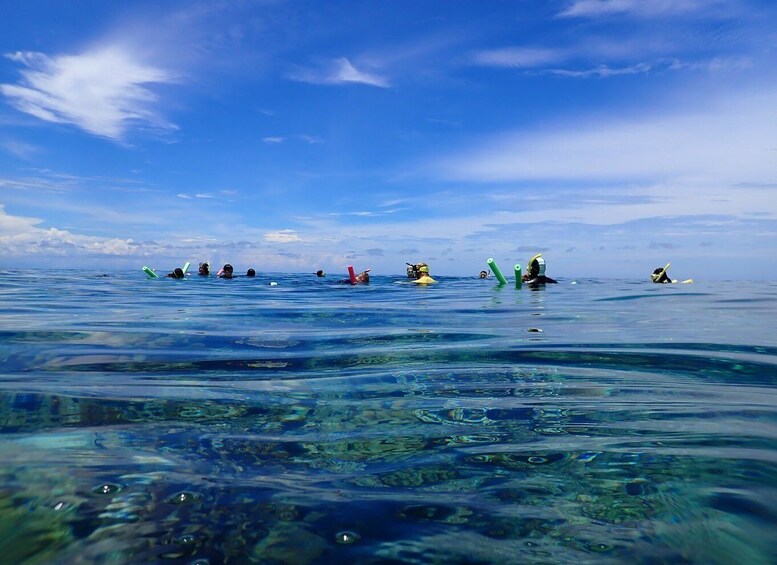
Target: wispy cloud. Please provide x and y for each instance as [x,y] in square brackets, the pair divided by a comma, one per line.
[282,236]
[12,225]
[338,71]
[278,139]
[604,71]
[103,92]
[657,60]
[22,236]
[732,141]
[369,213]
[637,8]
[519,57]
[19,148]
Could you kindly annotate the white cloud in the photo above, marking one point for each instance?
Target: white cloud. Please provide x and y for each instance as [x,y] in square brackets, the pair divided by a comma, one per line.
[603,71]
[518,57]
[19,148]
[346,72]
[638,8]
[274,140]
[10,225]
[282,236]
[338,71]
[21,236]
[732,141]
[103,92]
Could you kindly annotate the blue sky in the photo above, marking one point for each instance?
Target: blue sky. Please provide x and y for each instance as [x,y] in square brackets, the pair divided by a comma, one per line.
[613,136]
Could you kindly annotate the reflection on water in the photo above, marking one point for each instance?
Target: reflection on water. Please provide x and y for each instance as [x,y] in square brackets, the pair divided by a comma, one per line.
[206,421]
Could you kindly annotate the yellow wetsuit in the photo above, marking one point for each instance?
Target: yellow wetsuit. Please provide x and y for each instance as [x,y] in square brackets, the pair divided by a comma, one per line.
[426,279]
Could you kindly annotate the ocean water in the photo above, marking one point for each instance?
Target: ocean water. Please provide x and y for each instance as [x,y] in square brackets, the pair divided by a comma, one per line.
[213,421]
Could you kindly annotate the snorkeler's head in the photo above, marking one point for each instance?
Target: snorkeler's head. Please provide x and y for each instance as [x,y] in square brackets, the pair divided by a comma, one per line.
[251,273]
[536,266]
[364,276]
[659,275]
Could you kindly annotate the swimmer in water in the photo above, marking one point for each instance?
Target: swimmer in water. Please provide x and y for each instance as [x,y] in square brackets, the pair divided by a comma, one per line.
[250,273]
[413,269]
[361,278]
[226,272]
[176,274]
[536,275]
[483,274]
[660,275]
[204,270]
[423,275]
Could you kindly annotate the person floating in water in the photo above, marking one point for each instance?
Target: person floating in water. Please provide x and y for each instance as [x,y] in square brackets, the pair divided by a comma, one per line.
[226,272]
[250,273]
[204,269]
[483,274]
[660,275]
[361,278]
[176,274]
[423,275]
[414,269]
[320,273]
[536,272]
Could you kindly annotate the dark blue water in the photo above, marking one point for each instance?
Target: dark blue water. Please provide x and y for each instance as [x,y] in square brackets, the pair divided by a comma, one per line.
[214,421]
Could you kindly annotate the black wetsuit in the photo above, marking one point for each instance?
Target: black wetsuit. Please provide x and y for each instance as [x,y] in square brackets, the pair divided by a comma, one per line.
[540,279]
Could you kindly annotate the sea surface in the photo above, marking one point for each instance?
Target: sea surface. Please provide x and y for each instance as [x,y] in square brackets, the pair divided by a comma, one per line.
[209,421]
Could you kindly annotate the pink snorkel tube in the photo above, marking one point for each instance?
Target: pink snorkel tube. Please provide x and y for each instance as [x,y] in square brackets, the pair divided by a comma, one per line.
[351,274]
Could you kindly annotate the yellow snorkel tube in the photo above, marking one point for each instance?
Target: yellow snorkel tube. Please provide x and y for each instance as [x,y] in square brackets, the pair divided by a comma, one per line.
[540,266]
[657,276]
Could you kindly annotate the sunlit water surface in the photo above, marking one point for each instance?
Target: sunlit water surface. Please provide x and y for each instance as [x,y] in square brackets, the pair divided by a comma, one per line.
[212,421]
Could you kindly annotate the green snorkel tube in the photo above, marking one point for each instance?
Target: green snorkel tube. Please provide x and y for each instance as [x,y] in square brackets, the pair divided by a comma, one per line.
[500,277]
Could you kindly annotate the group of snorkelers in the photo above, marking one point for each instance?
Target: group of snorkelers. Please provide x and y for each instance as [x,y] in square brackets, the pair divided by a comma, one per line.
[535,275]
[419,273]
[226,272]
